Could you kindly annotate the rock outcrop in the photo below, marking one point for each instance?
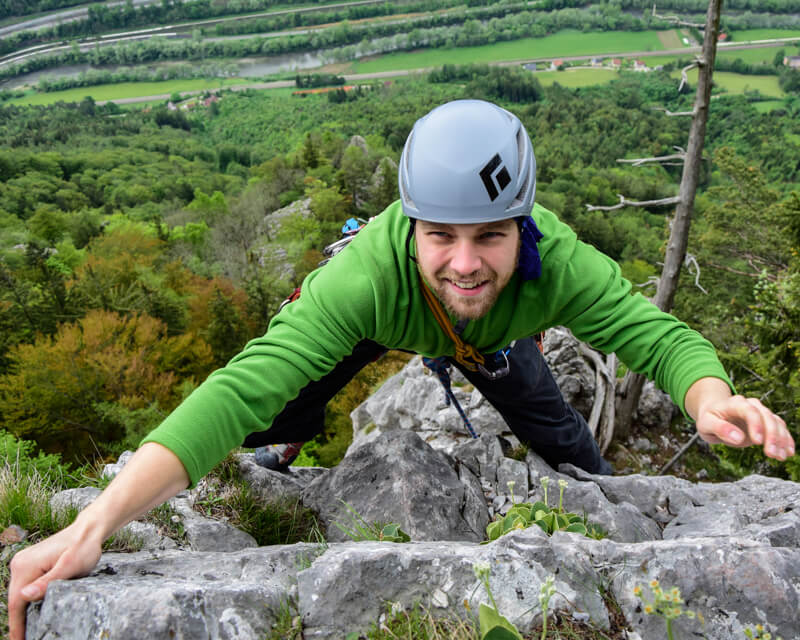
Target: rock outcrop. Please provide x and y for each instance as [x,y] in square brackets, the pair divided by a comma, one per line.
[733,549]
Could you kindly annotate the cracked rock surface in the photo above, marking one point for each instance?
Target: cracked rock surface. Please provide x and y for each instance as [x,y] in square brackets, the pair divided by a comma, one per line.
[733,549]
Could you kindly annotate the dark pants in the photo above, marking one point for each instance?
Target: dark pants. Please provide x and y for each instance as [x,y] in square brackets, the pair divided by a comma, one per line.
[528,398]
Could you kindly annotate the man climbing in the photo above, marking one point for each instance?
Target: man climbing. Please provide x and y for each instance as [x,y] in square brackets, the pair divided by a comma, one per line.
[463,265]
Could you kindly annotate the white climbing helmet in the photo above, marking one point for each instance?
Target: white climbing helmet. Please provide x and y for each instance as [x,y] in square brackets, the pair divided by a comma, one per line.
[467,161]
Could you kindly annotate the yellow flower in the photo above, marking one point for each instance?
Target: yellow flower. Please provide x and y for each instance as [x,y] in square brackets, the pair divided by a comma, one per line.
[654,583]
[648,609]
[637,590]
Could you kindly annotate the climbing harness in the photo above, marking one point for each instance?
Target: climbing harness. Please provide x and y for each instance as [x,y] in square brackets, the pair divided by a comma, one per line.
[441,367]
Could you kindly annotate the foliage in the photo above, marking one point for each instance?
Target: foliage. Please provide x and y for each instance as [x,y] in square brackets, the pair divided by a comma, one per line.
[54,387]
[493,625]
[282,521]
[747,239]
[21,455]
[549,519]
[667,604]
[359,530]
[417,622]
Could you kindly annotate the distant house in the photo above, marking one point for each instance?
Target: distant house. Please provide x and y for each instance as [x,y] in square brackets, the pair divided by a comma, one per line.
[640,65]
[792,61]
[556,64]
[530,66]
[211,99]
[723,37]
[597,62]
[616,63]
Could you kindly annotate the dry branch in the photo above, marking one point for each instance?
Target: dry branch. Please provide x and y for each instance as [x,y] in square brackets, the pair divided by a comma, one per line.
[676,113]
[601,419]
[676,20]
[685,71]
[689,262]
[638,162]
[623,202]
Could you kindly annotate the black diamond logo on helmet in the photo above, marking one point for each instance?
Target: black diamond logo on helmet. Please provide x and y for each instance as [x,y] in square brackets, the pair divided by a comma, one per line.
[493,177]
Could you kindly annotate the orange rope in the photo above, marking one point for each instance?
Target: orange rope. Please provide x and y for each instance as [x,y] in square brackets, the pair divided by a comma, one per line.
[466,354]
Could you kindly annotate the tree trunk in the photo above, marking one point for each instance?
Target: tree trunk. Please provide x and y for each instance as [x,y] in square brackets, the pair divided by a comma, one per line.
[631,389]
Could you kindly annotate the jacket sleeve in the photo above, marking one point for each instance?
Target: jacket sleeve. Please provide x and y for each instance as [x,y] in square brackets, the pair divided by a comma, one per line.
[303,343]
[590,296]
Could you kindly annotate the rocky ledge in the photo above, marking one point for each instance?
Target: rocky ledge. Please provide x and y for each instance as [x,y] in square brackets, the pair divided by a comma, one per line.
[731,549]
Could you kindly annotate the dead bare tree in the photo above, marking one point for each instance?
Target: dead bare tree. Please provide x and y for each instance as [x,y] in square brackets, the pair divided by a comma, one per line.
[675,257]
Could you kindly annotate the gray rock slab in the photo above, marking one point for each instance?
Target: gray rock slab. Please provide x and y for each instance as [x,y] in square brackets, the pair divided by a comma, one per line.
[274,485]
[362,578]
[733,582]
[397,478]
[658,497]
[181,595]
[207,534]
[111,470]
[482,455]
[514,471]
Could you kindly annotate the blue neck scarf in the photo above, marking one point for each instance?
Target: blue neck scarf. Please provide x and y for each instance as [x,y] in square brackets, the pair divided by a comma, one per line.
[530,264]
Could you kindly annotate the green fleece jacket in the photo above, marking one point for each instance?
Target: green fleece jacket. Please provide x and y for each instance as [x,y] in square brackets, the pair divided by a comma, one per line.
[371,290]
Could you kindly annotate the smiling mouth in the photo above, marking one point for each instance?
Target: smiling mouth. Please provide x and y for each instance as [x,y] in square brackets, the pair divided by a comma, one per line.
[467,288]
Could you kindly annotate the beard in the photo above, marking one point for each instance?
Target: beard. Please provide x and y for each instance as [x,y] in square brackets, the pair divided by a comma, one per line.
[468,307]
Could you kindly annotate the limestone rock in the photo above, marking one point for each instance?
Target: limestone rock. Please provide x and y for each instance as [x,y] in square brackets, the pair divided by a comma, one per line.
[219,596]
[271,485]
[398,478]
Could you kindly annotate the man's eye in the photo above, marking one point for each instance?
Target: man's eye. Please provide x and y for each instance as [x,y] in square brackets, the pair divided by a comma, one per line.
[491,235]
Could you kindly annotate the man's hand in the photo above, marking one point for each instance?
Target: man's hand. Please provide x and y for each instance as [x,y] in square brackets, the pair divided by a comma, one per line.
[153,475]
[735,420]
[70,553]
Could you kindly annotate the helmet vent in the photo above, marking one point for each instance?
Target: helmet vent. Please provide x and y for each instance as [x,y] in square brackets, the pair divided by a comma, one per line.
[522,155]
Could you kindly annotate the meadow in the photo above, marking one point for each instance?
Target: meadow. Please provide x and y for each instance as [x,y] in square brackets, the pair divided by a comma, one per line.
[124,90]
[569,42]
[736,83]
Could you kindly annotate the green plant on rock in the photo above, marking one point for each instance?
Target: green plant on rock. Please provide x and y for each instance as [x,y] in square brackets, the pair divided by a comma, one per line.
[759,633]
[359,530]
[550,519]
[493,625]
[667,604]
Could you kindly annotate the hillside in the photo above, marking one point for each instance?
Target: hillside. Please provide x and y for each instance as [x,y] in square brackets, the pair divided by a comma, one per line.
[142,247]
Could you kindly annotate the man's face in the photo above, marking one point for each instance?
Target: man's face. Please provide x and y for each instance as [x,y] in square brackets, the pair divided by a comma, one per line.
[467,265]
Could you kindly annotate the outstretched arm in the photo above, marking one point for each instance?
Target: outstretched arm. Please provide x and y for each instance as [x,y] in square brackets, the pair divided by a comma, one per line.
[153,475]
[736,421]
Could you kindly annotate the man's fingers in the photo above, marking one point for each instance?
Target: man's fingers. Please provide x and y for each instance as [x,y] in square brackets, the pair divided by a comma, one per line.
[777,440]
[715,430]
[742,422]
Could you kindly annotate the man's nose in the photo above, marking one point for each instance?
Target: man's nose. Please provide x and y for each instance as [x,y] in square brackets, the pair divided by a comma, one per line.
[465,258]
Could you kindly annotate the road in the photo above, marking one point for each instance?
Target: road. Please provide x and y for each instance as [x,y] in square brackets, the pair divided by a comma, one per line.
[80,14]
[53,19]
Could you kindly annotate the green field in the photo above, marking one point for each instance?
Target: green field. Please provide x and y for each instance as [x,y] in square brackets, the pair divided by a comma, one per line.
[754,56]
[736,83]
[764,34]
[564,43]
[128,90]
[769,105]
[576,79]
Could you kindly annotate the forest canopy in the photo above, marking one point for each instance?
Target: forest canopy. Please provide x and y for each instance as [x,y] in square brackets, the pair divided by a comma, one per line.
[140,249]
